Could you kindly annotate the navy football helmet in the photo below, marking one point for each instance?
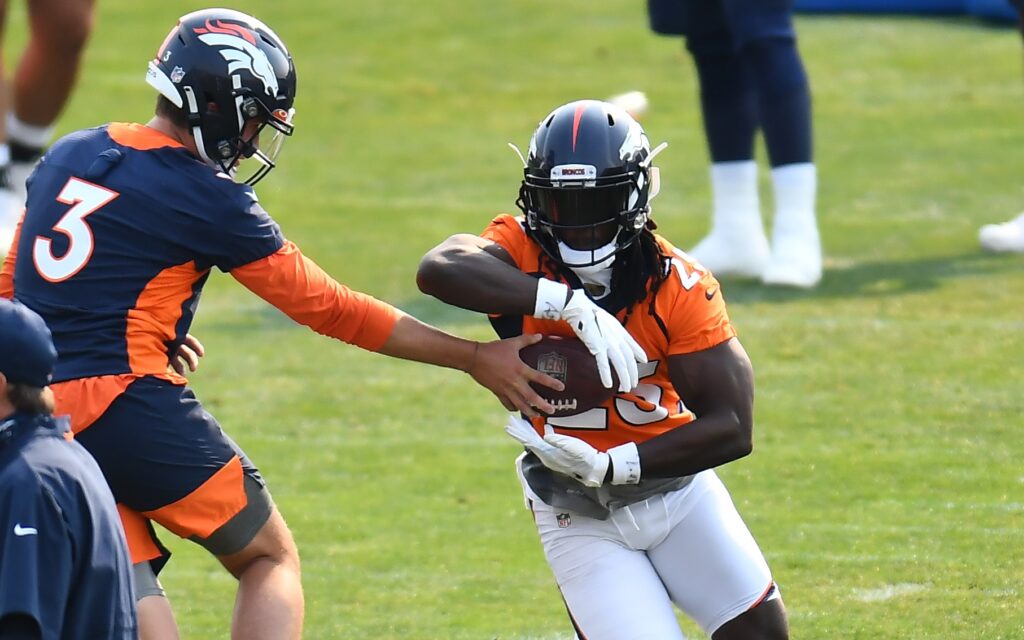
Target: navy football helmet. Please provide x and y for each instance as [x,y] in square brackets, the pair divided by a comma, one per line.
[224,68]
[587,182]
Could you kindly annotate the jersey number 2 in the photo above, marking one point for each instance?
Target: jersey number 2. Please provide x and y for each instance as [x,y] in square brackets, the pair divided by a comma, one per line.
[85,198]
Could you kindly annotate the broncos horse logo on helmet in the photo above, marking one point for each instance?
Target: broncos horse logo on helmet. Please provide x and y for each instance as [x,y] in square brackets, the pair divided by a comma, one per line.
[224,68]
[238,46]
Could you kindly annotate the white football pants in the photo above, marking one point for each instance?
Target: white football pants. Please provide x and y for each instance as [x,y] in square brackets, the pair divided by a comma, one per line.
[620,576]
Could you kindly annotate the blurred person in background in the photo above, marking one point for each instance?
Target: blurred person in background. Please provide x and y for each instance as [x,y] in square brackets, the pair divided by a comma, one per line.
[123,226]
[34,97]
[64,567]
[1006,237]
[752,79]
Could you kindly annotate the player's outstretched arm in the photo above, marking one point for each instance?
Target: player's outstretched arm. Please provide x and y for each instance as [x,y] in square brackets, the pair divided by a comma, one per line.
[717,384]
[495,365]
[300,288]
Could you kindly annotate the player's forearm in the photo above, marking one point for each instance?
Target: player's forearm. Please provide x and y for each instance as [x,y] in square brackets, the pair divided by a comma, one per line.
[414,340]
[461,272]
[706,443]
[297,286]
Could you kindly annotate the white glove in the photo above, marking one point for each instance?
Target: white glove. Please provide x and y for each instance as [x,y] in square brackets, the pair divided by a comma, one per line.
[604,336]
[575,458]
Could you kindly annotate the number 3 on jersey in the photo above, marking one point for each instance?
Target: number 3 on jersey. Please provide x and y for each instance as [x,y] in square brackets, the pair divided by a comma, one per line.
[85,198]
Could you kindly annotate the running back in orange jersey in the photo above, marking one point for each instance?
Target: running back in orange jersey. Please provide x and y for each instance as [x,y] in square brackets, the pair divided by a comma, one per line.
[688,306]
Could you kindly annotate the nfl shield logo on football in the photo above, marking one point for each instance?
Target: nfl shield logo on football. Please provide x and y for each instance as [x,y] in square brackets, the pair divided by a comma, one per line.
[553,364]
[563,520]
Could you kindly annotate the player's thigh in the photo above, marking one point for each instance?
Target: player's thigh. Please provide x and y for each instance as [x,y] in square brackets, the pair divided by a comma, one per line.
[751,20]
[167,458]
[612,592]
[274,542]
[62,24]
[686,17]
[709,562]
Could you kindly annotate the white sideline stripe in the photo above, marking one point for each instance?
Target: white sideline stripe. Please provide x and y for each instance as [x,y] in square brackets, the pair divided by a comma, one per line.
[887,592]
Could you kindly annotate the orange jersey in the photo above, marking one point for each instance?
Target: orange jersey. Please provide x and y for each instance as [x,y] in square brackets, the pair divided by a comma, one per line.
[688,315]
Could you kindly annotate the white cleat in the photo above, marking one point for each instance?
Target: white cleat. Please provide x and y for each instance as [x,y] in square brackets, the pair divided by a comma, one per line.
[1003,238]
[6,238]
[795,261]
[734,253]
[10,211]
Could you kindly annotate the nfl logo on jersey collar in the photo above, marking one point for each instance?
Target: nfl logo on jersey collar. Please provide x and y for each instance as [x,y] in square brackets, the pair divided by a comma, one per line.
[563,520]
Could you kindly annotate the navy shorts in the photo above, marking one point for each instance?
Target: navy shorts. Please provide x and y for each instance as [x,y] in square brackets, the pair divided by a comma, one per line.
[166,459]
[743,20]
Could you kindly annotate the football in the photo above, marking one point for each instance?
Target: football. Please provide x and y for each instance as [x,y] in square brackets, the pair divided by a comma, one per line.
[568,360]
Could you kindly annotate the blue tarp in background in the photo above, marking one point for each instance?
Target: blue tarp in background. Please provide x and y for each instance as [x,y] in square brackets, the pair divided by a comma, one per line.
[987,9]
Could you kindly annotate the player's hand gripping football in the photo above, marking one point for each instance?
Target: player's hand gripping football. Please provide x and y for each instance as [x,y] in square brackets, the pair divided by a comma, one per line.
[186,359]
[605,337]
[497,367]
[575,458]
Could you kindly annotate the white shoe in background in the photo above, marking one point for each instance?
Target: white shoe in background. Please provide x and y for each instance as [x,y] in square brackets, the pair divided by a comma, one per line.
[17,174]
[796,244]
[734,251]
[10,211]
[796,258]
[1003,238]
[737,244]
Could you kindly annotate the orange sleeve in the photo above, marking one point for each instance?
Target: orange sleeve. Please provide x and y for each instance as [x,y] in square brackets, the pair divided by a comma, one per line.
[698,319]
[507,231]
[302,290]
[7,271]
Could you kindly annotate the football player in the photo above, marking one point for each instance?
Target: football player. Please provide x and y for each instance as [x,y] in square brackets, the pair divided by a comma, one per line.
[123,225]
[42,83]
[751,77]
[630,512]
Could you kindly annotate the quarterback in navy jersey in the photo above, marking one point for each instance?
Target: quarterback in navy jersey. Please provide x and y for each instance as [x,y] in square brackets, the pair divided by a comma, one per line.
[123,225]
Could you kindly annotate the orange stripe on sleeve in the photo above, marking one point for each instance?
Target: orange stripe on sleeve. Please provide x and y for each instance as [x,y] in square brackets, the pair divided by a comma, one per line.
[7,271]
[301,289]
[206,509]
[151,323]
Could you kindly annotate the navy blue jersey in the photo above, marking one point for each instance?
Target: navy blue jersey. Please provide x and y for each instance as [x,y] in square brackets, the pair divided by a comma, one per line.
[122,227]
[63,558]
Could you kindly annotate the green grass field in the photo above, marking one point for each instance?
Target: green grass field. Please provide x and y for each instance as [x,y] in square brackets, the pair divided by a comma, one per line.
[886,483]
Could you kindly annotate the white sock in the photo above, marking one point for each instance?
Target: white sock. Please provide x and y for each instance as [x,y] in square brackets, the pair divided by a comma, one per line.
[30,135]
[5,154]
[734,194]
[795,188]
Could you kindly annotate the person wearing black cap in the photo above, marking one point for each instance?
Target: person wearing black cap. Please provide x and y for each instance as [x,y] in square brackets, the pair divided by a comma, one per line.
[64,567]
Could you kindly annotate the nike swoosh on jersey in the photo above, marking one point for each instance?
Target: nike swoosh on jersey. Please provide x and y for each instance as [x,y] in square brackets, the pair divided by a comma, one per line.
[24,531]
[710,293]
